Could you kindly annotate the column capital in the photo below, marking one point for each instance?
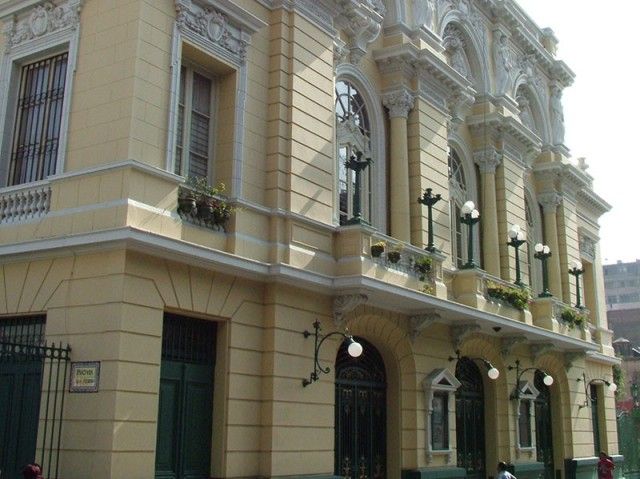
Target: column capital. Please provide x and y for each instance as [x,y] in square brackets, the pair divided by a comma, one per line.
[549,201]
[399,102]
[487,159]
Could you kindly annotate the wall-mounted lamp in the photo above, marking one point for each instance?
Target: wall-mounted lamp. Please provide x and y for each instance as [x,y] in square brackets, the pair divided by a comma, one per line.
[547,379]
[543,253]
[613,387]
[429,200]
[516,239]
[354,349]
[492,371]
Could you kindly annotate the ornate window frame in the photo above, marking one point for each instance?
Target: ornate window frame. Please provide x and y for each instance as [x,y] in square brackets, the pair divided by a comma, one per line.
[525,391]
[378,206]
[223,32]
[45,29]
[440,380]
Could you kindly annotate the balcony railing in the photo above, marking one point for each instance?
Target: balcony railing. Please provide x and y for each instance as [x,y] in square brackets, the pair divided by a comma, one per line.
[24,203]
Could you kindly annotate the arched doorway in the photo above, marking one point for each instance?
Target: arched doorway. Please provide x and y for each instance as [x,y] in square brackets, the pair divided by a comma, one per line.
[360,414]
[544,436]
[470,419]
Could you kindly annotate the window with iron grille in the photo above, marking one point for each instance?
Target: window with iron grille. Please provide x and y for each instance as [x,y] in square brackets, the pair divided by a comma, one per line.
[24,330]
[188,340]
[36,132]
[194,130]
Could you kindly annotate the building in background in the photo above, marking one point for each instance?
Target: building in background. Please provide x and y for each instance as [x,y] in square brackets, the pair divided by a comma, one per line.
[201,200]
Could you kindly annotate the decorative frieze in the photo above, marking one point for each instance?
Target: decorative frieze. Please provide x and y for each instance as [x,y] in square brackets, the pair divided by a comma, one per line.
[43,20]
[362,21]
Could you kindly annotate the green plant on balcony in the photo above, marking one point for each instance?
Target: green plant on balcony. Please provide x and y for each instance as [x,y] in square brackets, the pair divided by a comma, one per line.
[378,248]
[516,297]
[393,255]
[210,206]
[422,266]
[573,318]
[429,289]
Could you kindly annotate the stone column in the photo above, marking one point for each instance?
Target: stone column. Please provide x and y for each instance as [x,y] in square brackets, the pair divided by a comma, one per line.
[550,202]
[488,160]
[399,103]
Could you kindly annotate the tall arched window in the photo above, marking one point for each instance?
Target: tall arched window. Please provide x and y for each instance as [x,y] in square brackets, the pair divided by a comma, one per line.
[458,193]
[353,134]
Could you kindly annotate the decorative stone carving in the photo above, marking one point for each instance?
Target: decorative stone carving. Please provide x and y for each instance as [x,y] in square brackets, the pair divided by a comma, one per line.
[340,52]
[549,201]
[212,26]
[526,116]
[344,304]
[420,322]
[362,22]
[454,44]
[399,102]
[587,248]
[43,19]
[509,343]
[571,357]
[487,159]
[503,60]
[460,333]
[539,350]
[557,115]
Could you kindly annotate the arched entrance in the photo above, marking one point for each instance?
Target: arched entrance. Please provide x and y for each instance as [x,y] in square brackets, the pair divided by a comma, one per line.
[360,414]
[470,419]
[544,436]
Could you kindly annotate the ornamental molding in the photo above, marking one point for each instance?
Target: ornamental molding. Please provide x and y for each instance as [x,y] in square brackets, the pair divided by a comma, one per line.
[41,21]
[399,102]
[420,322]
[549,201]
[226,29]
[593,203]
[344,304]
[362,21]
[319,12]
[571,358]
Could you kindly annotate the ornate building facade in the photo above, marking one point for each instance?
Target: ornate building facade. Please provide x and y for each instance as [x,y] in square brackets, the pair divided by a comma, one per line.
[201,199]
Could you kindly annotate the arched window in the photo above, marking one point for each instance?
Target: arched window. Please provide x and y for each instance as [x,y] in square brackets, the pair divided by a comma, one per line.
[458,193]
[353,135]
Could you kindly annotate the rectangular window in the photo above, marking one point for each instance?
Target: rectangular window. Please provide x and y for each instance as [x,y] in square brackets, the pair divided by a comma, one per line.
[36,132]
[194,130]
[440,422]
[593,394]
[524,423]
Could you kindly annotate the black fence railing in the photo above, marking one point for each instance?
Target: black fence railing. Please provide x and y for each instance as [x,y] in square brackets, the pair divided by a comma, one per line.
[35,376]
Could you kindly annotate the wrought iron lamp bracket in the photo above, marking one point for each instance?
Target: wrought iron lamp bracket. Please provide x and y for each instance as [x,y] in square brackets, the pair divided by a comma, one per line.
[587,399]
[519,372]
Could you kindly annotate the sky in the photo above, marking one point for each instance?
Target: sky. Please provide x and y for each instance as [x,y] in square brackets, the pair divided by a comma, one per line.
[598,42]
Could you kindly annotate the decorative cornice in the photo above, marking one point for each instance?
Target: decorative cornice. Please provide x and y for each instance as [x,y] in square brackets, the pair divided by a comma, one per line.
[42,20]
[344,304]
[399,102]
[420,322]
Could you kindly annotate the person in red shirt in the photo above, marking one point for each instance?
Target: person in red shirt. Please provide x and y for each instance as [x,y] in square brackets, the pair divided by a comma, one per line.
[605,466]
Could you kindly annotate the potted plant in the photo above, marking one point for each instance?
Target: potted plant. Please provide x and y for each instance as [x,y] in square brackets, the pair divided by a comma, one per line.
[422,266]
[572,318]
[377,249]
[393,255]
[186,201]
[516,297]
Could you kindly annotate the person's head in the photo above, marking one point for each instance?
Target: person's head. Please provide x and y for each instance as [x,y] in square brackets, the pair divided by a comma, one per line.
[603,455]
[502,466]
[31,471]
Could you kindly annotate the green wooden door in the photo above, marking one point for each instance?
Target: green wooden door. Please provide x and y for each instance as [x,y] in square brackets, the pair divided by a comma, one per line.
[183,448]
[20,399]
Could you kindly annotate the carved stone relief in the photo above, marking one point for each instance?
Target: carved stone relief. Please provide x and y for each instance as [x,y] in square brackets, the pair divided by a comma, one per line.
[43,19]
[454,45]
[362,21]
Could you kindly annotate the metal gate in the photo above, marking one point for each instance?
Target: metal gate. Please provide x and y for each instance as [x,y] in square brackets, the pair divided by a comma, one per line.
[544,435]
[32,389]
[360,414]
[629,442]
[470,419]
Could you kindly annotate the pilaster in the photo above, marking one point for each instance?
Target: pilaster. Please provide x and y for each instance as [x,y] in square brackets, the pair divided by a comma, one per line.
[488,160]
